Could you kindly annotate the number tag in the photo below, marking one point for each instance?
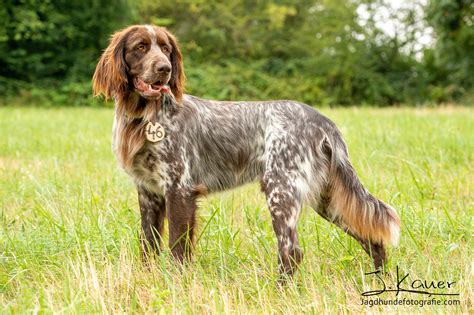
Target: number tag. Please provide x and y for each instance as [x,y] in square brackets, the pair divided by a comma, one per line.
[154,132]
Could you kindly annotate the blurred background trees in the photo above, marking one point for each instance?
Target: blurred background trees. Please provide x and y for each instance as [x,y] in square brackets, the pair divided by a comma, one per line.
[48,48]
[451,61]
[330,52]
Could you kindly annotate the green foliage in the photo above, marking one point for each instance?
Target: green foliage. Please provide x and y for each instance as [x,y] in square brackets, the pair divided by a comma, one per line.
[315,51]
[59,40]
[236,81]
[453,56]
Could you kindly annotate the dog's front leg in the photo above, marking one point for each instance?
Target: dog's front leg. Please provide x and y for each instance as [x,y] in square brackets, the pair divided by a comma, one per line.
[181,209]
[153,211]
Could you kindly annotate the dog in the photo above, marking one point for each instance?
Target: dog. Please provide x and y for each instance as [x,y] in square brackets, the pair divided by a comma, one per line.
[177,147]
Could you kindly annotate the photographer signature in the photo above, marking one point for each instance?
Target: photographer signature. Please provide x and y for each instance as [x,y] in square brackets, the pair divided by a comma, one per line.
[417,286]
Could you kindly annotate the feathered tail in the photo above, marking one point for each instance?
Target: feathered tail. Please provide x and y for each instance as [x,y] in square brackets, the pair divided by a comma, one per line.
[359,212]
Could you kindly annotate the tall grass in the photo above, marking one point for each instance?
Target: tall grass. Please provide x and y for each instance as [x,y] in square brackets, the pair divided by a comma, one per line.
[69,222]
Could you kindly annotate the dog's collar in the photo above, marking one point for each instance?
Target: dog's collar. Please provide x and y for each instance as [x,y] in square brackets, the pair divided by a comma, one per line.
[153,130]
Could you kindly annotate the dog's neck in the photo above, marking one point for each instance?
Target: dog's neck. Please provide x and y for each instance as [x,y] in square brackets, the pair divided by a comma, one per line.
[136,108]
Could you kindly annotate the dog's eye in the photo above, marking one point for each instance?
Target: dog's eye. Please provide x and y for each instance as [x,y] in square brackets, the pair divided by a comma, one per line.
[165,49]
[141,47]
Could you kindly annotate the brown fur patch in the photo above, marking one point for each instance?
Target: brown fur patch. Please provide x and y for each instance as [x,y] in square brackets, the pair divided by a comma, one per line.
[130,132]
[110,76]
[181,210]
[200,190]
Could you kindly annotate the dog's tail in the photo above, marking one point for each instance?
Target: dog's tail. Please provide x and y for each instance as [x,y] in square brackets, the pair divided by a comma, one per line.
[353,206]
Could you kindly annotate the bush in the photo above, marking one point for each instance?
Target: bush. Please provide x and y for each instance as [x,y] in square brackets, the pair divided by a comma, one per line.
[55,41]
[57,94]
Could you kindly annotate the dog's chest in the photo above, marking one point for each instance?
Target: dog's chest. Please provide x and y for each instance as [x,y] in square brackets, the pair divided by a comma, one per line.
[149,170]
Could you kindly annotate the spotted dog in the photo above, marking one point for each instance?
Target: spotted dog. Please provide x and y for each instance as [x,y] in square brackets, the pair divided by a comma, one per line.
[177,147]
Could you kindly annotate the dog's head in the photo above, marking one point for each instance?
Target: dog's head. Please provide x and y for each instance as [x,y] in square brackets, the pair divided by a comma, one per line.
[143,59]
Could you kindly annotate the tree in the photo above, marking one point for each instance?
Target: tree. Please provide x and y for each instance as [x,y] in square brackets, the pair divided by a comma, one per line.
[453,55]
[56,40]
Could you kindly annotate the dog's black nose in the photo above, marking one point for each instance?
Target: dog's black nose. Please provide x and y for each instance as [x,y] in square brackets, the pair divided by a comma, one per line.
[163,68]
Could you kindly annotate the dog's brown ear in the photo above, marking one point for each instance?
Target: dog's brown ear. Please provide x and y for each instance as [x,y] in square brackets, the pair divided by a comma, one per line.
[177,72]
[110,76]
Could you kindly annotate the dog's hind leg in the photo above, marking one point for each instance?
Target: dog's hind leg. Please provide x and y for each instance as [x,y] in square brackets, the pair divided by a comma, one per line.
[152,208]
[285,207]
[374,250]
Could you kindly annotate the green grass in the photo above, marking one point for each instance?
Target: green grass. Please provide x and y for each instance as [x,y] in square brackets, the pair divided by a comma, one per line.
[69,222]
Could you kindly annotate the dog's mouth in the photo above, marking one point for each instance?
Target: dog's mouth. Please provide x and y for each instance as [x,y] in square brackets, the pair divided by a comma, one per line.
[150,90]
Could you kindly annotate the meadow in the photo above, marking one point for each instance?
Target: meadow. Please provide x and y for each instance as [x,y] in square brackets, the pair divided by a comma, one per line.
[69,223]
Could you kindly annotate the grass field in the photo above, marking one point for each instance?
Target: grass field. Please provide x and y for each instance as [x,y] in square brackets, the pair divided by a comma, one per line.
[69,223]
